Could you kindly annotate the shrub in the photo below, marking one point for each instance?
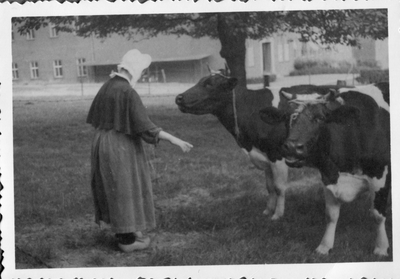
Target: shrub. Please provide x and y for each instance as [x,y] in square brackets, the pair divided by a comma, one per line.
[302,64]
[313,66]
[367,64]
[319,70]
[373,76]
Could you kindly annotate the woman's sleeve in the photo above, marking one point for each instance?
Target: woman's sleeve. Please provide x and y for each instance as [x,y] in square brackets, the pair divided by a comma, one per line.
[151,135]
[139,121]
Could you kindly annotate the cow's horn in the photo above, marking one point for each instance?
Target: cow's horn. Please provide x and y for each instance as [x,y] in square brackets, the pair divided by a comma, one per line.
[331,95]
[209,69]
[227,70]
[288,96]
[334,92]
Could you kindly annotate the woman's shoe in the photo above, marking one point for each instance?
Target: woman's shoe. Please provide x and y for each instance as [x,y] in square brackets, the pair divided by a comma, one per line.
[140,243]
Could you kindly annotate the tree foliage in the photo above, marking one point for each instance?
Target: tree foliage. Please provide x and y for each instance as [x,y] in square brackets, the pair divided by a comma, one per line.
[338,26]
[232,29]
[322,26]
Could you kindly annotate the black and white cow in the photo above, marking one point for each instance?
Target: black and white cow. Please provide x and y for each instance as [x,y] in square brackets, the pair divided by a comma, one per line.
[346,136]
[237,110]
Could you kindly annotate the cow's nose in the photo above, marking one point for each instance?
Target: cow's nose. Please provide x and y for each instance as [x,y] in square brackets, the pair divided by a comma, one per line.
[300,148]
[179,99]
[293,147]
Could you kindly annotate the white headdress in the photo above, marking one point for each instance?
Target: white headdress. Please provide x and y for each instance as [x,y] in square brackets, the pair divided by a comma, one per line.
[135,62]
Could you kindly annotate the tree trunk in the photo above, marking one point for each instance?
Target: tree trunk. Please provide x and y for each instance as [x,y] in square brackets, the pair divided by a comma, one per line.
[233,47]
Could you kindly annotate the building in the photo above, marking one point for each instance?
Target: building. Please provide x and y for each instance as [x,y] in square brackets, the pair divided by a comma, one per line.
[372,52]
[46,55]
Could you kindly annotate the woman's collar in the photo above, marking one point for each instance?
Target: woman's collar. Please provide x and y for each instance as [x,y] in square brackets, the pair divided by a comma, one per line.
[113,74]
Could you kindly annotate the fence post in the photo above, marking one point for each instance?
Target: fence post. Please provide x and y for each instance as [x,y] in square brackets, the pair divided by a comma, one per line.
[148,80]
[81,81]
[163,75]
[266,80]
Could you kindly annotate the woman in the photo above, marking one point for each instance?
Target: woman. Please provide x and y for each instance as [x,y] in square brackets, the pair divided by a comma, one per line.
[121,183]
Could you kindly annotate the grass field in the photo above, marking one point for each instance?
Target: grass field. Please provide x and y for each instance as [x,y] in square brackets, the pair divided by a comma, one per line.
[209,202]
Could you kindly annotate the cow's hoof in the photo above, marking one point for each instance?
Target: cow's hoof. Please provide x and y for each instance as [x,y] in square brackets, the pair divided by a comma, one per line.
[275,217]
[381,252]
[266,212]
[322,250]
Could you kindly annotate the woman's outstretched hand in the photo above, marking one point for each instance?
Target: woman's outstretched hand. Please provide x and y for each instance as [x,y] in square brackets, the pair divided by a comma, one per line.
[185,146]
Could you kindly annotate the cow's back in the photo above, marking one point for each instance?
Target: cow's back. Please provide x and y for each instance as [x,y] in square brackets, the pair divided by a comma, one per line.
[361,144]
[253,131]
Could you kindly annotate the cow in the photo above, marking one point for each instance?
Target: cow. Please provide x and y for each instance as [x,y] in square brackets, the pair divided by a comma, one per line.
[237,110]
[345,134]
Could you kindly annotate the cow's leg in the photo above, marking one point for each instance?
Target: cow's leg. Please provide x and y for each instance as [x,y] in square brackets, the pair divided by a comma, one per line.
[276,175]
[381,242]
[381,189]
[272,196]
[332,211]
[280,179]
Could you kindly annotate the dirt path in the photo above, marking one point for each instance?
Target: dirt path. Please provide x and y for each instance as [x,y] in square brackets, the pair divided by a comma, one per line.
[162,89]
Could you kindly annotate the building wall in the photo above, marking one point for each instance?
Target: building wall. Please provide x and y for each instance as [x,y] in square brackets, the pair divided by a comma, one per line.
[373,51]
[382,53]
[97,53]
[254,58]
[284,49]
[44,50]
[183,56]
[366,51]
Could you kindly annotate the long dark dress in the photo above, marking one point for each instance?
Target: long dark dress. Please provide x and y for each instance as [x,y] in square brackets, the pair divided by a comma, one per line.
[120,176]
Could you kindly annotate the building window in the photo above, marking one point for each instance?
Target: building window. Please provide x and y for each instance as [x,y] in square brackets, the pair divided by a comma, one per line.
[53,31]
[304,49]
[82,70]
[295,50]
[12,36]
[286,56]
[250,57]
[15,74]
[34,70]
[58,72]
[30,35]
[280,52]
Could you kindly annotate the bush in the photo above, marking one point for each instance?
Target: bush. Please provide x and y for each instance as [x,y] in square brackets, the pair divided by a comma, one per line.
[302,64]
[373,76]
[367,64]
[318,71]
[313,66]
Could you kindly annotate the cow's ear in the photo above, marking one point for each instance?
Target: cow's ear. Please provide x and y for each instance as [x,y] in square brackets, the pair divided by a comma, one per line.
[344,115]
[272,115]
[231,83]
[331,95]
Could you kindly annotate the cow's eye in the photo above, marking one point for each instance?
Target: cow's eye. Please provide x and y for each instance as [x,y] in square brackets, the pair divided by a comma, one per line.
[293,105]
[207,84]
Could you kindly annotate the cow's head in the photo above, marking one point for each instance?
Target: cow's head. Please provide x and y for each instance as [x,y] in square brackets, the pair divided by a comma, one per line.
[306,121]
[208,95]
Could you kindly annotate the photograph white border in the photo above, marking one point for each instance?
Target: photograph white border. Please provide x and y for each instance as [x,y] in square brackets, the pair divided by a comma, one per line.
[290,271]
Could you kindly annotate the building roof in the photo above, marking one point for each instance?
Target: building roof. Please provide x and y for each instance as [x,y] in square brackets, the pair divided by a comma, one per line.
[183,58]
[101,61]
[162,48]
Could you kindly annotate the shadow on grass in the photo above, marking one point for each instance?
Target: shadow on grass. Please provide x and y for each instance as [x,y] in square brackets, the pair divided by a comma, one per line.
[233,231]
